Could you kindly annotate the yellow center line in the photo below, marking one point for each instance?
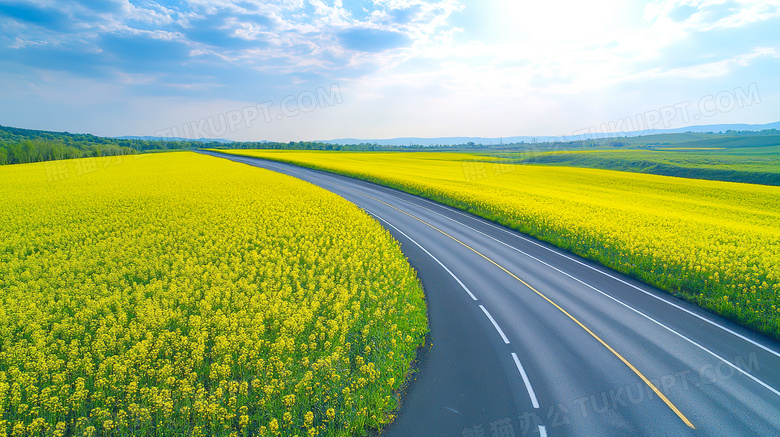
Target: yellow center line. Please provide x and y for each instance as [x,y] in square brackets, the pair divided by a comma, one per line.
[625,361]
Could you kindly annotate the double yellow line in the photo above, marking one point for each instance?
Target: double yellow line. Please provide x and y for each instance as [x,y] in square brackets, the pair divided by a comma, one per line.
[620,357]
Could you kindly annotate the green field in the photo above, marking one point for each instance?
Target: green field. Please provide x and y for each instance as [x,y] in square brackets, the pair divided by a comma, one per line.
[760,167]
[754,159]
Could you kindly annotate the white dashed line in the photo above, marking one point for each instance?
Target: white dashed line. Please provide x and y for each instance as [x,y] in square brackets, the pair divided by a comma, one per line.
[528,387]
[498,328]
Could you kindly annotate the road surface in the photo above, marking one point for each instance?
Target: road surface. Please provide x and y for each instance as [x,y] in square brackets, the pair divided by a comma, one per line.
[528,339]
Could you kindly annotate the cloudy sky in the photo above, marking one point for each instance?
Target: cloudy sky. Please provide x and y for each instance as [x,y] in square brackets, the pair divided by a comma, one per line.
[323,69]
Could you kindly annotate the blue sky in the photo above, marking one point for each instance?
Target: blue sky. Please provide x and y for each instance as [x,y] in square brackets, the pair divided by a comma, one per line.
[315,69]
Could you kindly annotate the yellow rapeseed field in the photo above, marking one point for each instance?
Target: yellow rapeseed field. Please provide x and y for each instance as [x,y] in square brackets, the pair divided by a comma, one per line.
[714,243]
[180,294]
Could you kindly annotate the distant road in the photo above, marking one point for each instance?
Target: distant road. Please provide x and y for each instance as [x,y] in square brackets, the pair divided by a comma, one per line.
[531,340]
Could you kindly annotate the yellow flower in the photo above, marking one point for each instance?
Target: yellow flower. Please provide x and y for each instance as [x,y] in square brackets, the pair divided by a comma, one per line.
[308,419]
[273,425]
[165,320]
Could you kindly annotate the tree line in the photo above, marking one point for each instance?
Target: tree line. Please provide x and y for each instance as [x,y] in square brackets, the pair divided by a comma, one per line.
[22,146]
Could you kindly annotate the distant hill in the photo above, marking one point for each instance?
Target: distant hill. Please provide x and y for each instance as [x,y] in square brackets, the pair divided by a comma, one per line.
[199,140]
[19,145]
[448,141]
[442,141]
[715,128]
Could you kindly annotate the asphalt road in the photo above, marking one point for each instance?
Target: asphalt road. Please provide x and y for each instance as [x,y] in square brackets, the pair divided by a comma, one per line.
[528,339]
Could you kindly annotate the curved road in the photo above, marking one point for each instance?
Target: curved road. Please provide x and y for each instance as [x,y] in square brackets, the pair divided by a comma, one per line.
[528,339]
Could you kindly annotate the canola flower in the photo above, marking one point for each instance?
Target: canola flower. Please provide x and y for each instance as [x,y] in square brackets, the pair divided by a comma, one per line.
[181,294]
[716,244]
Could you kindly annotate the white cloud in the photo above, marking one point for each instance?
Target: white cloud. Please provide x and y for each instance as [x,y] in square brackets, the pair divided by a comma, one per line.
[711,14]
[527,58]
[722,67]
